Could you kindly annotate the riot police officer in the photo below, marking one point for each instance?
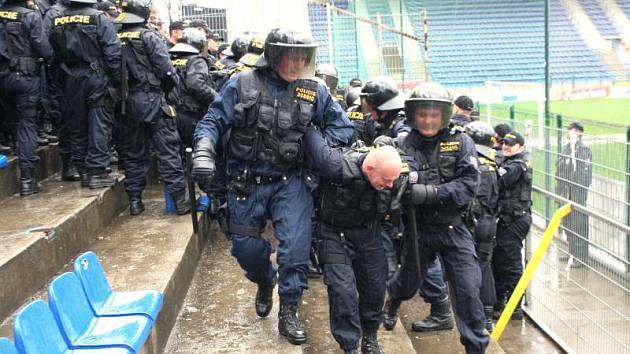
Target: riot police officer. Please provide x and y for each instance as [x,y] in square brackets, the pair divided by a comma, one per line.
[148,75]
[484,212]
[355,195]
[441,190]
[515,219]
[22,42]
[194,94]
[248,61]
[328,73]
[268,110]
[88,51]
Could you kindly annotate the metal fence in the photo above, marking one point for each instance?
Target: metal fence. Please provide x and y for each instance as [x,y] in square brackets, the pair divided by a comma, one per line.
[581,293]
[214,17]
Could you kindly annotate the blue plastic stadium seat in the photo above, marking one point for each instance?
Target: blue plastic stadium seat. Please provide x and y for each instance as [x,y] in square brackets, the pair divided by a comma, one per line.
[83,329]
[106,302]
[7,347]
[36,332]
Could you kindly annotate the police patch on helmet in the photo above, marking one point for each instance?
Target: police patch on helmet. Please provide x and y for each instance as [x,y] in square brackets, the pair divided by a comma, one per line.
[413,177]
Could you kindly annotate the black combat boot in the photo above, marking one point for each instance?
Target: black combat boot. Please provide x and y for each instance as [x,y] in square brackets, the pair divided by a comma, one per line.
[488,311]
[351,351]
[518,311]
[498,308]
[439,319]
[264,298]
[69,172]
[85,180]
[182,203]
[390,313]
[369,344]
[101,181]
[289,324]
[136,207]
[28,182]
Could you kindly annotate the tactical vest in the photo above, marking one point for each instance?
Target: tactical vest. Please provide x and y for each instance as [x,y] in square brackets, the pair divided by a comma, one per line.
[485,204]
[268,129]
[16,52]
[75,38]
[353,202]
[517,200]
[186,101]
[439,168]
[141,75]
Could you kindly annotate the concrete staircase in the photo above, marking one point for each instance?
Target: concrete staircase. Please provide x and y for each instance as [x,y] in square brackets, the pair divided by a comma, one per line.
[615,62]
[619,19]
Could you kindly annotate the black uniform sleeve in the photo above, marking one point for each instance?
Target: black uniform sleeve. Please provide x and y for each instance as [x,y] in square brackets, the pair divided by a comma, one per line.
[321,157]
[462,189]
[198,80]
[111,47]
[510,173]
[158,55]
[39,38]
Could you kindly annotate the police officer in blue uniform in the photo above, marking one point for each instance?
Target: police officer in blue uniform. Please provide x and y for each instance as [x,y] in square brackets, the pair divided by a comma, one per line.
[356,192]
[88,50]
[194,94]
[149,75]
[267,111]
[442,189]
[515,219]
[484,212]
[22,42]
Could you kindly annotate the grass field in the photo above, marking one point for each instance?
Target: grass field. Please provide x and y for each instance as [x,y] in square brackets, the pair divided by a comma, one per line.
[600,116]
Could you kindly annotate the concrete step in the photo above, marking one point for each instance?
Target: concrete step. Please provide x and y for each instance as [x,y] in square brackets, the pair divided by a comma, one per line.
[152,251]
[49,164]
[40,233]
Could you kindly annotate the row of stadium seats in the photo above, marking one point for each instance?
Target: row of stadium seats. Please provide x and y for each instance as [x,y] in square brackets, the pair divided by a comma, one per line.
[84,316]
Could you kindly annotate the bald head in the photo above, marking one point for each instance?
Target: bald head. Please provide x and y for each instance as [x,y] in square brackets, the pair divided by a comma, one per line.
[382,167]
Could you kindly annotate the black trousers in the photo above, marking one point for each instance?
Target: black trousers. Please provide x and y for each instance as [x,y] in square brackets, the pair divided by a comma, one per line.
[507,260]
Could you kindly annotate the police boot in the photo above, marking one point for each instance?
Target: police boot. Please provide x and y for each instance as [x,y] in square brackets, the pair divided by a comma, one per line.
[439,319]
[369,344]
[264,298]
[136,206]
[101,181]
[182,203]
[488,312]
[498,308]
[351,351]
[28,182]
[41,139]
[392,267]
[69,172]
[518,311]
[390,313]
[85,180]
[289,324]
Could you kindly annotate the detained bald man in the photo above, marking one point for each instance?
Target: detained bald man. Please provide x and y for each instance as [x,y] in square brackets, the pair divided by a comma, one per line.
[357,188]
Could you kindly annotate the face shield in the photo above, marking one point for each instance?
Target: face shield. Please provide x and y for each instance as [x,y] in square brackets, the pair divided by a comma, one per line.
[427,116]
[294,61]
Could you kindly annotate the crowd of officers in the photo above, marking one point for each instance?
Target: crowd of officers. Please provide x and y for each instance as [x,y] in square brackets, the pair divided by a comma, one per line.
[386,195]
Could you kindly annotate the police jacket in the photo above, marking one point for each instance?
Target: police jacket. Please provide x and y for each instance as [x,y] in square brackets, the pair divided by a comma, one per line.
[149,70]
[83,38]
[22,39]
[486,203]
[574,171]
[268,117]
[347,199]
[448,161]
[515,188]
[460,120]
[194,93]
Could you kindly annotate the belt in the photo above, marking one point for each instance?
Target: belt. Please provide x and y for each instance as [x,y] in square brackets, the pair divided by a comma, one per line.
[267,179]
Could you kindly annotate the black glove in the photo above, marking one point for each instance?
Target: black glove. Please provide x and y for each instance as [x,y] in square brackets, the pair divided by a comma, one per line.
[170,82]
[424,194]
[203,166]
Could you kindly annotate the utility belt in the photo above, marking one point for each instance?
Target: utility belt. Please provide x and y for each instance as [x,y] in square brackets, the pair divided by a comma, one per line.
[24,65]
[243,182]
[348,218]
[511,216]
[93,66]
[441,227]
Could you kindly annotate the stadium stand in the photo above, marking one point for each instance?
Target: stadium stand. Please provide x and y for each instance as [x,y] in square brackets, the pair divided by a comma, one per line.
[625,6]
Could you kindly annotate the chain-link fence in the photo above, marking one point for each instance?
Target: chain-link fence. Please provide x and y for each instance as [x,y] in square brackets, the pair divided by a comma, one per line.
[581,293]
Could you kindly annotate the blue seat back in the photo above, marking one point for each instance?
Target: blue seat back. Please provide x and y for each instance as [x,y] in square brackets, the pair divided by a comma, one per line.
[70,306]
[7,347]
[89,270]
[36,331]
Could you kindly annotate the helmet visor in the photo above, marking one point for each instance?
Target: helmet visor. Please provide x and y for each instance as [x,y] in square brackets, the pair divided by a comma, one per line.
[293,62]
[427,116]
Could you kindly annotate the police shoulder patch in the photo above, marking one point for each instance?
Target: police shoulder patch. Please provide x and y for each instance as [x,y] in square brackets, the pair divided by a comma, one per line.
[129,35]
[306,90]
[180,62]
[219,65]
[413,177]
[449,146]
[404,168]
[10,15]
[355,115]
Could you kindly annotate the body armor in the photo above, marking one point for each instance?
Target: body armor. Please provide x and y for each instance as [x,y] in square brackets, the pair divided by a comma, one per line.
[268,129]
[74,34]
[485,205]
[186,100]
[16,52]
[516,201]
[137,59]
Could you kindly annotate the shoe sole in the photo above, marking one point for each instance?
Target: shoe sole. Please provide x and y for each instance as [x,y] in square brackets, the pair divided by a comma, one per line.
[100,185]
[441,328]
[292,340]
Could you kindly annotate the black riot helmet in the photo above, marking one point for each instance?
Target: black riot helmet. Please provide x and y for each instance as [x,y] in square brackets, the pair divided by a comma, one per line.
[193,41]
[238,48]
[429,95]
[328,73]
[382,94]
[352,96]
[91,2]
[134,11]
[282,41]
[256,44]
[481,133]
